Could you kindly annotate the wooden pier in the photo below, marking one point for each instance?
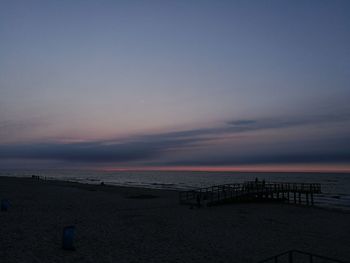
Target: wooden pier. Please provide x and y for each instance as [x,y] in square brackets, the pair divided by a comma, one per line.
[297,193]
[292,256]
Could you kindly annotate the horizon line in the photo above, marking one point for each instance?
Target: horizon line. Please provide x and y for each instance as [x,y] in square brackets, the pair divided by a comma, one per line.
[258,168]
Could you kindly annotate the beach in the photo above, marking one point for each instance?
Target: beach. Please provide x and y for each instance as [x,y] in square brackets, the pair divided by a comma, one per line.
[125,224]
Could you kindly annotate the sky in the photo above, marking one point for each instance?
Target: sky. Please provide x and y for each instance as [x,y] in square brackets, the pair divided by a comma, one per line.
[175,84]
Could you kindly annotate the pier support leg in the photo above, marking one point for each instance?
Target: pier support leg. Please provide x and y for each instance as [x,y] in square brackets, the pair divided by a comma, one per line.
[299,197]
[312,199]
[295,197]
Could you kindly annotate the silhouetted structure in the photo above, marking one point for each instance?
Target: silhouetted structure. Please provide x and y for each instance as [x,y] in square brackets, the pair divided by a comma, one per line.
[298,193]
[294,256]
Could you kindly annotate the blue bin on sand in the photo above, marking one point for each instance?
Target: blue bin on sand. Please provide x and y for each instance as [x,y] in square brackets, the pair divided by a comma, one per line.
[5,205]
[68,238]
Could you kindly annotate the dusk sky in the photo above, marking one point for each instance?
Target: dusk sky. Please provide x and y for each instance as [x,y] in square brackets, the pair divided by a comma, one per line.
[173,84]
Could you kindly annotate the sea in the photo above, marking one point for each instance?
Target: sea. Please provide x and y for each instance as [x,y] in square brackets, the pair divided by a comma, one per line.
[335,186]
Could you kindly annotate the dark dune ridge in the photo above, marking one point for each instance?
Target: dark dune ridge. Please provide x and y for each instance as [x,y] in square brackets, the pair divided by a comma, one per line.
[122,224]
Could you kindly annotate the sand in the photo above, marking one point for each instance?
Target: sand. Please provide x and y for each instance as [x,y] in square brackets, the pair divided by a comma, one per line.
[122,224]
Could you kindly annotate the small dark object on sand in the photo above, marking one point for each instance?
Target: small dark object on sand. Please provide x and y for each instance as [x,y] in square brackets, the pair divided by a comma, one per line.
[68,238]
[5,204]
[102,183]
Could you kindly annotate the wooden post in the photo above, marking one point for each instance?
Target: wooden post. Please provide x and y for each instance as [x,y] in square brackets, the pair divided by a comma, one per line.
[307,198]
[290,257]
[312,199]
[295,197]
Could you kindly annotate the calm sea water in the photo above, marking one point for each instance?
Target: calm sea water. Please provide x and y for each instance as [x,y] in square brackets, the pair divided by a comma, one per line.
[335,186]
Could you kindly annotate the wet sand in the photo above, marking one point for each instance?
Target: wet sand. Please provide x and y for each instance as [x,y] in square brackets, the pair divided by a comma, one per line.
[122,224]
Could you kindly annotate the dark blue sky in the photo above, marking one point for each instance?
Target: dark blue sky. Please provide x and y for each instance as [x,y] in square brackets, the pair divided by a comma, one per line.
[166,83]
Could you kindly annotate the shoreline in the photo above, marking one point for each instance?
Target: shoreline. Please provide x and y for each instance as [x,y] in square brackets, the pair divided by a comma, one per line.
[87,182]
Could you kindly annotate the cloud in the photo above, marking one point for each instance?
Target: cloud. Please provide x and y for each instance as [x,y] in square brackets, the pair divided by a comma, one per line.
[268,158]
[157,148]
[241,122]
[11,126]
[17,130]
[140,148]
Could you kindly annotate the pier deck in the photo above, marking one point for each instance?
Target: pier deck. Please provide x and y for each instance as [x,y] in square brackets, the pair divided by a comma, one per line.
[298,193]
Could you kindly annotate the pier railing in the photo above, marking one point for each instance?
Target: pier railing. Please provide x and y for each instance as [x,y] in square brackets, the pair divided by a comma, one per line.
[295,256]
[251,190]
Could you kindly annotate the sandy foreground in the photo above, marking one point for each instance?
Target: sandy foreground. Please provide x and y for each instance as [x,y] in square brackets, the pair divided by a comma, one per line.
[122,224]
